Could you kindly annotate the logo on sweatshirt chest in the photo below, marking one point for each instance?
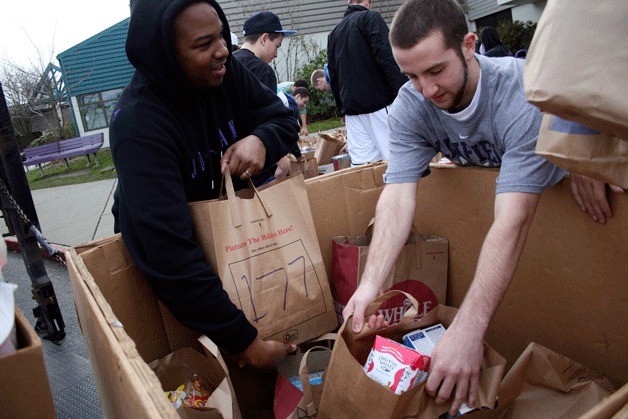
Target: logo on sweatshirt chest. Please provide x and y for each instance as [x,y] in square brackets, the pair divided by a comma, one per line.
[482,153]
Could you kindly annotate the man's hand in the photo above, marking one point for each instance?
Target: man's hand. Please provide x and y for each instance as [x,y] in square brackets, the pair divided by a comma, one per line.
[283,168]
[265,354]
[245,158]
[304,130]
[357,305]
[455,368]
[590,194]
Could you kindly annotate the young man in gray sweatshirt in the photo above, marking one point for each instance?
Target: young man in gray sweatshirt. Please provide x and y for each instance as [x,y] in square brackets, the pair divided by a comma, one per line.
[472,109]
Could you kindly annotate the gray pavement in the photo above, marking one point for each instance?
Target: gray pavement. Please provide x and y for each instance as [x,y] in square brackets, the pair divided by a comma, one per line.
[74,214]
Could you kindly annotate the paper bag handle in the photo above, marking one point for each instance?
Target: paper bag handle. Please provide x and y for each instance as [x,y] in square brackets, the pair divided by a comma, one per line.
[211,348]
[305,379]
[407,317]
[233,204]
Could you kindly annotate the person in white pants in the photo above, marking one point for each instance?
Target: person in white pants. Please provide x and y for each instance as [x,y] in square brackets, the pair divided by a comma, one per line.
[367,136]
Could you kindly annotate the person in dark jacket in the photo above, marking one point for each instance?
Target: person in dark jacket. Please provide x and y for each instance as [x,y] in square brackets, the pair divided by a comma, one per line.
[364,79]
[263,36]
[190,112]
[493,46]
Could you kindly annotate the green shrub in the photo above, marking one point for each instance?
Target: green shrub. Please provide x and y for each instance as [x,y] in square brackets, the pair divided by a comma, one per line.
[50,136]
[321,105]
[47,137]
[68,130]
[516,35]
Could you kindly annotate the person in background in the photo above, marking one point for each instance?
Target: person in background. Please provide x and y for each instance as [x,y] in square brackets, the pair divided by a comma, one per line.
[263,35]
[364,80]
[320,79]
[297,100]
[189,114]
[288,88]
[474,111]
[234,42]
[493,46]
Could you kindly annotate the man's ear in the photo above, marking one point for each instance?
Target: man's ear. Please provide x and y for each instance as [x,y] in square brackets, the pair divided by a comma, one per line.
[468,45]
[264,38]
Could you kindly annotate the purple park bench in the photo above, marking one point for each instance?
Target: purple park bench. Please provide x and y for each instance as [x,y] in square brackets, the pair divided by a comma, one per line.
[64,149]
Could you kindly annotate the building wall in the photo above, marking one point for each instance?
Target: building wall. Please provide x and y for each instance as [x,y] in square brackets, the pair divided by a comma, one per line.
[528,12]
[480,8]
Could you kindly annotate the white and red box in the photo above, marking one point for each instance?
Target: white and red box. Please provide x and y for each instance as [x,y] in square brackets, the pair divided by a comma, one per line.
[395,365]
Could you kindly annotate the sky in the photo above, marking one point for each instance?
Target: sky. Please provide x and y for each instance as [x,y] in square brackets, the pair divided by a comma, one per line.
[27,26]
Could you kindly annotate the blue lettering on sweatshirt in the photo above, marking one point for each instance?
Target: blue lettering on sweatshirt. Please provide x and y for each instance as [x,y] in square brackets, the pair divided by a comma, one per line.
[223,139]
[234,134]
[483,153]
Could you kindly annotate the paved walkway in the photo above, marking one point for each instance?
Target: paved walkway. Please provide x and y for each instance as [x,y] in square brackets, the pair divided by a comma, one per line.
[74,214]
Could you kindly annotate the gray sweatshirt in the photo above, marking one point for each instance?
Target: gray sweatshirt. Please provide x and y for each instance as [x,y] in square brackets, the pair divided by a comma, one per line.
[501,131]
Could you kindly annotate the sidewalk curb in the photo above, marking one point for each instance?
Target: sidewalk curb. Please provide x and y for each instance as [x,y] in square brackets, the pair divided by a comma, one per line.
[14,246]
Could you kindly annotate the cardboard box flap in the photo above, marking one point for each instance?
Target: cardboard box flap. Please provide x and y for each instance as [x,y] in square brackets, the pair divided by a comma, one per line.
[126,300]
[126,385]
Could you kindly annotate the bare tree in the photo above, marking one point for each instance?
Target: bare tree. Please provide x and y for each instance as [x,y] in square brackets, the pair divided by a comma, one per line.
[35,89]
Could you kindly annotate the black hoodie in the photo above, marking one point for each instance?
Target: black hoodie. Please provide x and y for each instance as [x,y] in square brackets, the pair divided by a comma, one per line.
[166,139]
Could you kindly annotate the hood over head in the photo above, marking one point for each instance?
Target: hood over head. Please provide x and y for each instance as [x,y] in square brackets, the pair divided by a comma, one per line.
[150,45]
[489,37]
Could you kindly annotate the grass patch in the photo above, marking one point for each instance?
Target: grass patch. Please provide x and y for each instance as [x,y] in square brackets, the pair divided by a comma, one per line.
[331,123]
[57,173]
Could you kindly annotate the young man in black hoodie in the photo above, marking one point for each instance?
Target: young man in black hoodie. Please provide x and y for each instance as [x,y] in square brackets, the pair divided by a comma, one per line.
[190,111]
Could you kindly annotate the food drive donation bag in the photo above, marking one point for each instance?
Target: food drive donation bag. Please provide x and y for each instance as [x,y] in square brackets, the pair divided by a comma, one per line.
[580,149]
[263,245]
[420,270]
[349,392]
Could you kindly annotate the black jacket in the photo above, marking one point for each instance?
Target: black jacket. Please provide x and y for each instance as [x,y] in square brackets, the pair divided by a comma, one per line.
[498,51]
[262,70]
[363,74]
[166,140]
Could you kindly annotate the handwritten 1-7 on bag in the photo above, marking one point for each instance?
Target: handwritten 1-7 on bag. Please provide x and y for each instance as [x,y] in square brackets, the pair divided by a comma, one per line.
[263,245]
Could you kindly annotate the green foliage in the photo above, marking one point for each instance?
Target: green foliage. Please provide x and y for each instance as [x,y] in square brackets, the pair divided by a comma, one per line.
[68,130]
[47,137]
[516,35]
[50,136]
[321,105]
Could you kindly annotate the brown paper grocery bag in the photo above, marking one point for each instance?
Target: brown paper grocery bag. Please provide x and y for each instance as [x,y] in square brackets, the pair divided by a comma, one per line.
[349,393]
[420,270]
[544,384]
[569,73]
[263,245]
[182,365]
[327,147]
[290,402]
[582,150]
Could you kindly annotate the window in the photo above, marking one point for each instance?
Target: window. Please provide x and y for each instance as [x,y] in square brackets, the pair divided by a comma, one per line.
[96,108]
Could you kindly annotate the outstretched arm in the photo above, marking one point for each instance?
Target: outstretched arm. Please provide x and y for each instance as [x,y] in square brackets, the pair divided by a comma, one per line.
[457,358]
[393,220]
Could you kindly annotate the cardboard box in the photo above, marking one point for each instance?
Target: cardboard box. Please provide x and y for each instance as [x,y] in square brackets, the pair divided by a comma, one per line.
[125,327]
[24,388]
[569,292]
